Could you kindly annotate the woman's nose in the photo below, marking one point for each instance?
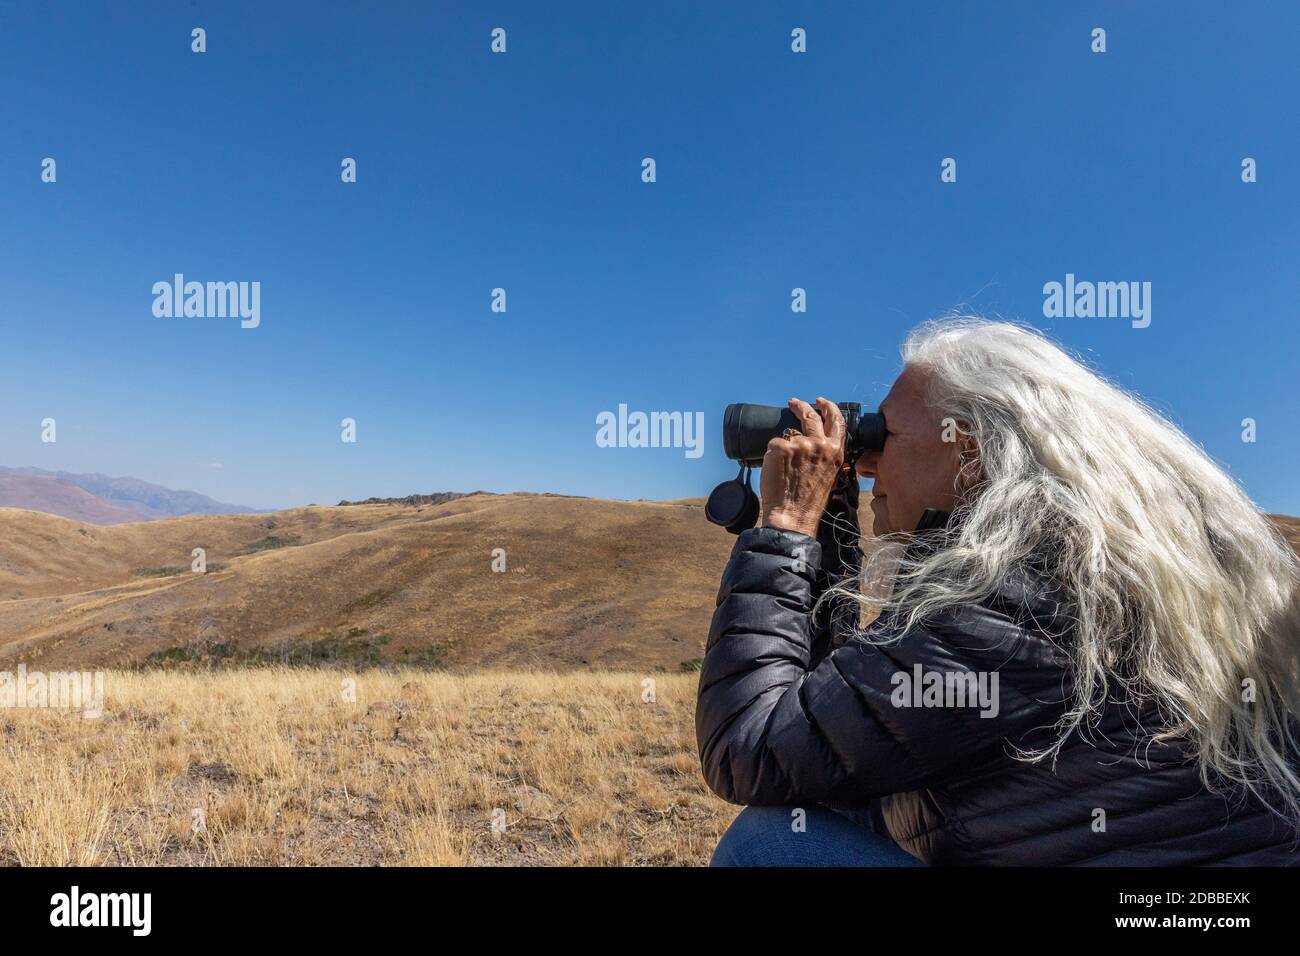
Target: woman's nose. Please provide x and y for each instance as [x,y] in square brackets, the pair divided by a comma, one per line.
[866,464]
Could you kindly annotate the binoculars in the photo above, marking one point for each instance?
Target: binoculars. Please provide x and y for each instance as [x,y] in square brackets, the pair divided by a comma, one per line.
[746,430]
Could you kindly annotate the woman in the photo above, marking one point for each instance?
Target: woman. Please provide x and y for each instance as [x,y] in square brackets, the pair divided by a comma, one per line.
[1089,654]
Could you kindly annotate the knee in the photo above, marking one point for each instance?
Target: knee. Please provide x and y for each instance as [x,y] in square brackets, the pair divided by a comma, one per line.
[804,836]
[759,836]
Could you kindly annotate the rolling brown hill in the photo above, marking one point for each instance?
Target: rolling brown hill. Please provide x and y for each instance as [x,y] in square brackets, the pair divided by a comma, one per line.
[589,583]
[1290,528]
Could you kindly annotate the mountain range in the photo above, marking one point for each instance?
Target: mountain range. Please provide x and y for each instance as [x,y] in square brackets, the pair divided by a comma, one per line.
[100,499]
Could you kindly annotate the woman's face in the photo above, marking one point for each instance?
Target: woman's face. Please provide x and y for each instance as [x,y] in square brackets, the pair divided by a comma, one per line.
[916,469]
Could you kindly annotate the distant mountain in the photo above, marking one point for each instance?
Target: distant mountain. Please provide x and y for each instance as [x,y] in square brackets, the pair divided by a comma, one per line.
[48,494]
[102,499]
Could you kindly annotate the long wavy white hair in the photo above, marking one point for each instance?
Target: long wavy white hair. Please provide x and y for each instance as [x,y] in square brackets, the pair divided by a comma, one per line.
[1183,592]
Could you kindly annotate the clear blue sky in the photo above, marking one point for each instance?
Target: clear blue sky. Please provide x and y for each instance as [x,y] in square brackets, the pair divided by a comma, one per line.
[522,171]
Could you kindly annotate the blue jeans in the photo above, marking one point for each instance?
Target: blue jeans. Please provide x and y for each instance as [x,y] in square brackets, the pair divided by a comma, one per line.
[767,836]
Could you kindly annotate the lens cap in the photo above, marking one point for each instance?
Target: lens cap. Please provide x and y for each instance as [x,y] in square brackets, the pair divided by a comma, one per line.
[733,504]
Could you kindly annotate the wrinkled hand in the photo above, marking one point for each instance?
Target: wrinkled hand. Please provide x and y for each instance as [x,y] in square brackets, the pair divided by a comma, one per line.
[799,472]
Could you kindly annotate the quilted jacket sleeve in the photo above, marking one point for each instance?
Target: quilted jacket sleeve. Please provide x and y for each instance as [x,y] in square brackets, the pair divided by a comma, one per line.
[775,727]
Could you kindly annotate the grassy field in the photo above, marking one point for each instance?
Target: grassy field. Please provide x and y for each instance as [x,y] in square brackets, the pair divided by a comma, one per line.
[279,767]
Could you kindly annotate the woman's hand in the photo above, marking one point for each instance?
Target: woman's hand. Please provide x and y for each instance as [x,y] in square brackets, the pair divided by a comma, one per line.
[799,472]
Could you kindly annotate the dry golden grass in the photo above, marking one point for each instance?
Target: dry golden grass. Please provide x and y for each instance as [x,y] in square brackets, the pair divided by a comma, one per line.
[287,771]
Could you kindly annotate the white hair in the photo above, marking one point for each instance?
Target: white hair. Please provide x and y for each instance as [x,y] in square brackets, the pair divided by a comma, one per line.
[1183,594]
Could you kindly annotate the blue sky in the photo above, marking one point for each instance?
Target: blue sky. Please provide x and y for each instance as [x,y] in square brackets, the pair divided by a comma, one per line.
[522,171]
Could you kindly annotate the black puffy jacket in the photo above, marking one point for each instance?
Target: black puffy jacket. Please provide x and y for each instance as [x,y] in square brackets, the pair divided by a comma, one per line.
[785,718]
